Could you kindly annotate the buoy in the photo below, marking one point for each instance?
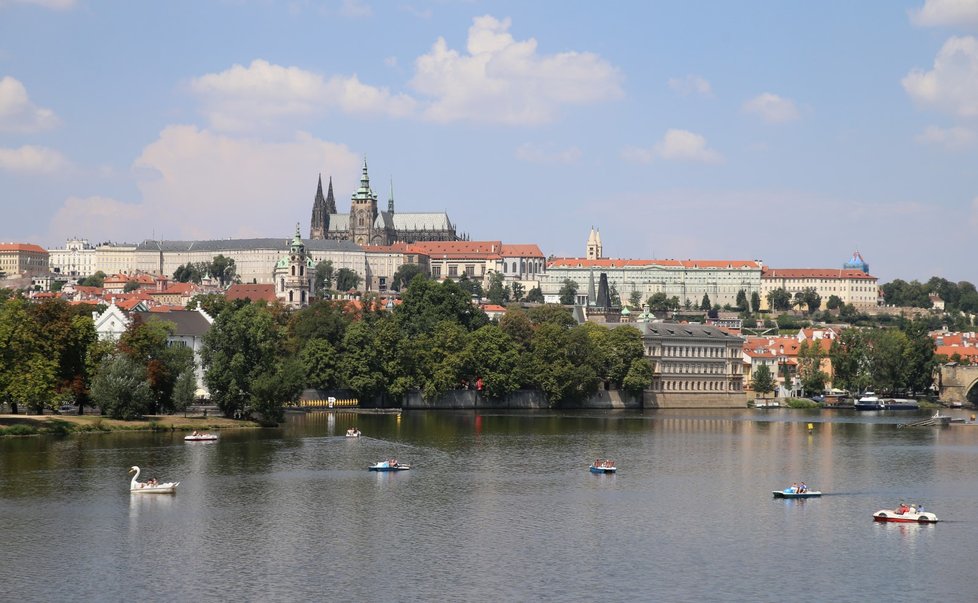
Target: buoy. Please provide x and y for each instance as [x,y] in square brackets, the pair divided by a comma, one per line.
[811,427]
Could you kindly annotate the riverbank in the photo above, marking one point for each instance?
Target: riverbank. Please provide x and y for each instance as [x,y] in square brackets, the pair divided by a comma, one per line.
[22,425]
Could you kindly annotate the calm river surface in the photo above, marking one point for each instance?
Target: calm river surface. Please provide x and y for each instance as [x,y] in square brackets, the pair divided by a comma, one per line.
[497,507]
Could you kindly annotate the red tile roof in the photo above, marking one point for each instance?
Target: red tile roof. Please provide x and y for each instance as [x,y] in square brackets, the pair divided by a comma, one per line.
[252,292]
[22,247]
[620,263]
[833,273]
[522,251]
[458,249]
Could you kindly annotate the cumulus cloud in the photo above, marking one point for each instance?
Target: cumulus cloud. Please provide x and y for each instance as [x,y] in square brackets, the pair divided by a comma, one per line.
[52,4]
[772,108]
[501,80]
[946,13]
[956,137]
[18,113]
[952,85]
[534,154]
[263,94]
[200,184]
[676,145]
[34,159]
[690,84]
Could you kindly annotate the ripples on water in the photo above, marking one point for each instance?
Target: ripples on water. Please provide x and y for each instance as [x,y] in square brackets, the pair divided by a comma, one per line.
[497,507]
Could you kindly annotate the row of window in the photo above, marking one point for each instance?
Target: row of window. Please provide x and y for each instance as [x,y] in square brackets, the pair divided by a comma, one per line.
[696,386]
[671,351]
[698,368]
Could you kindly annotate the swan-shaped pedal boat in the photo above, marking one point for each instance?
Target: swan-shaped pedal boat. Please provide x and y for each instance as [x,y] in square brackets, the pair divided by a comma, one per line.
[136,486]
[353,432]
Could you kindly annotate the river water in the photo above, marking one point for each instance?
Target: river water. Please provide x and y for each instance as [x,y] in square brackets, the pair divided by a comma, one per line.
[497,506]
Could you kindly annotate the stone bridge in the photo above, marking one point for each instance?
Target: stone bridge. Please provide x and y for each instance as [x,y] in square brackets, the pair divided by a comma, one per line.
[958,383]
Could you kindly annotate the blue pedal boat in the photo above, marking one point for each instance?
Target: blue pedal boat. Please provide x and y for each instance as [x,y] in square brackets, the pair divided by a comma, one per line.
[388,466]
[786,494]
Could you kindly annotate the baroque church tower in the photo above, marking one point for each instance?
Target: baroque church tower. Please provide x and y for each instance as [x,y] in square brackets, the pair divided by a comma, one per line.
[322,207]
[293,275]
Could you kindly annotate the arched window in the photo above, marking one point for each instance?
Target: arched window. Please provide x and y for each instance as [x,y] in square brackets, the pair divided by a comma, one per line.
[291,296]
[301,270]
[302,296]
[293,270]
[514,267]
[281,285]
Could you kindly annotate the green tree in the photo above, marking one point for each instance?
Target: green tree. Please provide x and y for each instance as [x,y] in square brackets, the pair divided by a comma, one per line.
[223,269]
[121,389]
[130,286]
[470,285]
[146,343]
[496,294]
[886,351]
[184,391]
[494,358]
[918,357]
[705,304]
[779,300]
[242,344]
[96,280]
[834,302]
[615,297]
[404,275]
[809,298]
[568,292]
[516,324]
[551,314]
[742,304]
[323,319]
[426,303]
[810,373]
[635,299]
[518,291]
[755,302]
[320,364]
[639,376]
[762,381]
[212,303]
[347,280]
[534,295]
[274,388]
[360,366]
[323,280]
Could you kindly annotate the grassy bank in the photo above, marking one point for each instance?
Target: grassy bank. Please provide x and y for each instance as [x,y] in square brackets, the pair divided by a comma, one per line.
[20,425]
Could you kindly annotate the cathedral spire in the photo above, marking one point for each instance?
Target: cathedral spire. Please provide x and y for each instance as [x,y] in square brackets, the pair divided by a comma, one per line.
[390,200]
[320,213]
[330,201]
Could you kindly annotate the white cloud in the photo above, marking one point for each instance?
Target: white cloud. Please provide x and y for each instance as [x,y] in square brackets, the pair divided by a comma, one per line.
[676,145]
[534,154]
[690,84]
[18,113]
[501,80]
[952,85]
[772,108]
[356,9]
[956,137]
[199,184]
[946,12]
[30,158]
[262,94]
[52,4]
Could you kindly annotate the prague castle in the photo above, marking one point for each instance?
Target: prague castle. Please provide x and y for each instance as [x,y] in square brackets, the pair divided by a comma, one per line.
[366,225]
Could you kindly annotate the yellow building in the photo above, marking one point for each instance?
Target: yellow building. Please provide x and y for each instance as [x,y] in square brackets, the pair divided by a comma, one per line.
[852,286]
[22,259]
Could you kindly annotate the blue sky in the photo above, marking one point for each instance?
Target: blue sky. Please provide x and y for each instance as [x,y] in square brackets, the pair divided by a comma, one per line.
[793,133]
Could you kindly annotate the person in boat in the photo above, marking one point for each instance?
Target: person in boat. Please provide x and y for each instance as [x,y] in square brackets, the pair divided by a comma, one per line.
[920,508]
[793,489]
[802,488]
[913,509]
[194,433]
[151,482]
[597,462]
[903,508]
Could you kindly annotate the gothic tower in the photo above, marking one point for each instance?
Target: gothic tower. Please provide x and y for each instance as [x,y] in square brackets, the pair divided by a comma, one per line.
[330,201]
[319,223]
[363,210]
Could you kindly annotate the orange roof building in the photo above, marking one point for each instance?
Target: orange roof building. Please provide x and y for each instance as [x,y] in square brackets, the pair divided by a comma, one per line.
[18,259]
[851,285]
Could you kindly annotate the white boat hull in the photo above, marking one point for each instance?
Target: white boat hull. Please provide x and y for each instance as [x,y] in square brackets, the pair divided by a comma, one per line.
[167,488]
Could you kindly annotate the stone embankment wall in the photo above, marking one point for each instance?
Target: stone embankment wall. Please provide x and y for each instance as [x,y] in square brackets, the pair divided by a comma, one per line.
[467,399]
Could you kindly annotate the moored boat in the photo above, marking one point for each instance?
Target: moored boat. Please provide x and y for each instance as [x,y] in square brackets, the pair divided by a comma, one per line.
[900,404]
[391,465]
[869,401]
